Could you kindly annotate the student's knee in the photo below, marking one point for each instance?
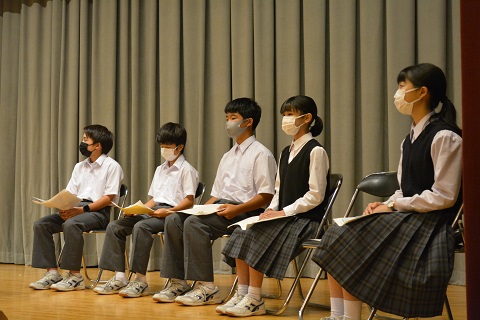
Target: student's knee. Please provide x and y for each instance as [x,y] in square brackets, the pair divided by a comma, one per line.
[71,226]
[173,221]
[193,223]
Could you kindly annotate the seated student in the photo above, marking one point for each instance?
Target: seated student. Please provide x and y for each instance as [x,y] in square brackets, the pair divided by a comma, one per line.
[244,184]
[173,188]
[401,259]
[300,187]
[96,180]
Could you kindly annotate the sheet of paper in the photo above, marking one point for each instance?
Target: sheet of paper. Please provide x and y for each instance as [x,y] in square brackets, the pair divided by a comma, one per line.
[248,222]
[137,208]
[202,209]
[343,221]
[63,200]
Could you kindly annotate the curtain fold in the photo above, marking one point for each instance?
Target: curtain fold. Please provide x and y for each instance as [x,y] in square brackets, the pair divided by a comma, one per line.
[134,65]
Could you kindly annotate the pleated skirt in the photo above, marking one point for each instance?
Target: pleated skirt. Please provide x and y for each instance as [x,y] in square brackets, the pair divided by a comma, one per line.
[269,247]
[400,263]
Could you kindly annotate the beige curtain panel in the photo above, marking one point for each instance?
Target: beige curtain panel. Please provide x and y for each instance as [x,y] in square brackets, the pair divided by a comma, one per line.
[134,65]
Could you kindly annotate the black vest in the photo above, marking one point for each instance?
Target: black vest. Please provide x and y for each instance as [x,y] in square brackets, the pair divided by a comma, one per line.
[294,180]
[417,165]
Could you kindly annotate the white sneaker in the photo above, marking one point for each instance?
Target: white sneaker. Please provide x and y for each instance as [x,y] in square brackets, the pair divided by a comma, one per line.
[332,317]
[231,303]
[70,282]
[47,280]
[200,296]
[134,289]
[169,294]
[247,307]
[111,287]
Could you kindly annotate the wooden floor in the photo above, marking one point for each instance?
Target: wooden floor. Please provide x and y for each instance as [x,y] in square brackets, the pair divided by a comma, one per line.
[18,301]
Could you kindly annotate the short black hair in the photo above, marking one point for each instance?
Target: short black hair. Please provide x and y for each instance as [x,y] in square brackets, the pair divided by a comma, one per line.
[172,133]
[247,108]
[100,134]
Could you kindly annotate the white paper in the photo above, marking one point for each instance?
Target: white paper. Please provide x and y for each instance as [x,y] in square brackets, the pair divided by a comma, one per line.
[202,209]
[63,200]
[343,221]
[248,222]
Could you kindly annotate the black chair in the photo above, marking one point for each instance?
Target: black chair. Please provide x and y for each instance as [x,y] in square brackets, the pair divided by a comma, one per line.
[380,184]
[335,185]
[123,194]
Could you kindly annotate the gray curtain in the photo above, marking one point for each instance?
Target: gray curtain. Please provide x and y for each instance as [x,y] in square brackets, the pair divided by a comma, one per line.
[134,65]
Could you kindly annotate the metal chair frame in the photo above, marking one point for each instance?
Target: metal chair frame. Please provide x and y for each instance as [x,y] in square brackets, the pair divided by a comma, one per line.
[93,282]
[379,184]
[336,180]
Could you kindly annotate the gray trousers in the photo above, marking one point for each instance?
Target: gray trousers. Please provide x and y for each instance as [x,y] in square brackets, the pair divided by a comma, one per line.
[141,227]
[43,255]
[188,244]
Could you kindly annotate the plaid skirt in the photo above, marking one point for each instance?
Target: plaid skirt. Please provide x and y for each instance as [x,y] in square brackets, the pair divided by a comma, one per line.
[269,247]
[399,263]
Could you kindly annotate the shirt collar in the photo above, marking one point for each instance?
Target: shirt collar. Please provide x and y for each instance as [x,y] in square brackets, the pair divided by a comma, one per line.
[418,128]
[100,160]
[245,144]
[300,142]
[178,163]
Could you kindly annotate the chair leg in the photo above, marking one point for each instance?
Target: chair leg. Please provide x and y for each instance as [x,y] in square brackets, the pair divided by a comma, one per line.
[232,290]
[449,310]
[372,314]
[309,295]
[93,283]
[294,285]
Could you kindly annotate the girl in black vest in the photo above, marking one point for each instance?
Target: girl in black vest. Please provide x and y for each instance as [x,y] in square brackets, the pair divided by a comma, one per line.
[299,200]
[401,259]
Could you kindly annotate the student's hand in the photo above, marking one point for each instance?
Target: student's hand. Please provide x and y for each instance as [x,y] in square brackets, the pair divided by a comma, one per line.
[160,213]
[228,211]
[375,207]
[70,213]
[271,214]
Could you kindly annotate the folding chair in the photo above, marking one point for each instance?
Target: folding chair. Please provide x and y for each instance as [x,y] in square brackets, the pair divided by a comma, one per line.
[123,196]
[380,184]
[335,185]
[198,199]
[456,225]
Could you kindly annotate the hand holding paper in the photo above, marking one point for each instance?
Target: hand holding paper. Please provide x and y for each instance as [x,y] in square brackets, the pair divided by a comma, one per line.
[137,208]
[63,200]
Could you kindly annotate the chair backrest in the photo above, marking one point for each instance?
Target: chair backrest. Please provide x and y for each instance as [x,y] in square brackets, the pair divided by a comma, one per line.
[379,184]
[336,180]
[199,193]
[123,194]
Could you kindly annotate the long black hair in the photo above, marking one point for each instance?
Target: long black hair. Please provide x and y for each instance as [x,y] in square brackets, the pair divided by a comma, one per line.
[432,77]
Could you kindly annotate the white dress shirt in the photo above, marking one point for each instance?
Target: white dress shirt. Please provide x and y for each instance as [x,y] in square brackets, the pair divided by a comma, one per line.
[171,185]
[245,171]
[317,182]
[92,181]
[446,152]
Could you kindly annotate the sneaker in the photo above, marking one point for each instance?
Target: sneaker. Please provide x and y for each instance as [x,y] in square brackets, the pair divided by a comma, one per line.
[111,287]
[70,282]
[332,317]
[47,280]
[169,294]
[247,307]
[231,303]
[200,296]
[134,289]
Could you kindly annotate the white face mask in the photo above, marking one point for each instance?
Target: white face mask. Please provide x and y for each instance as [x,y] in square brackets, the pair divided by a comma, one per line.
[169,154]
[403,106]
[288,125]
[233,128]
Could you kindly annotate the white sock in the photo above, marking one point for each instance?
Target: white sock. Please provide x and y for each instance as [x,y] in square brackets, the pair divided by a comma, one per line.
[120,276]
[353,309]
[242,289]
[76,274]
[53,271]
[209,285]
[180,281]
[336,307]
[255,293]
[140,277]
